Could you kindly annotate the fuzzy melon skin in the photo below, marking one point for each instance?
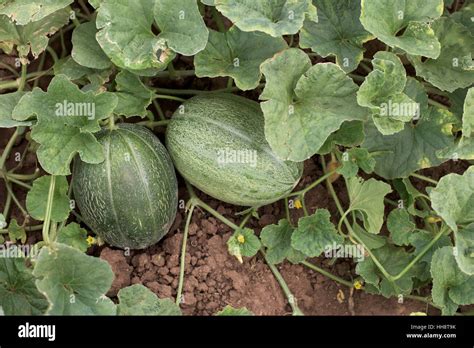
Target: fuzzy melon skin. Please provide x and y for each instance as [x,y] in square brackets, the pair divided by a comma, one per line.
[211,123]
[130,199]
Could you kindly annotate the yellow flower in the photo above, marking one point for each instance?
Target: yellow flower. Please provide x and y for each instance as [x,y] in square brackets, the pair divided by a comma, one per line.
[298,204]
[241,238]
[91,241]
[433,219]
[357,285]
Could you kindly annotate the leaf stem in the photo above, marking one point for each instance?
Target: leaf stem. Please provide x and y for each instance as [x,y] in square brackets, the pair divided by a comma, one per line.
[153,124]
[437,104]
[158,109]
[183,255]
[327,274]
[291,298]
[49,206]
[8,148]
[15,200]
[424,178]
[22,82]
[169,97]
[313,185]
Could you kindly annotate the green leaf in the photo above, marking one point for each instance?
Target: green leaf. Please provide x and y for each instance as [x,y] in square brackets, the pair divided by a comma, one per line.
[453,68]
[181,25]
[7,104]
[367,198]
[382,92]
[356,158]
[125,35]
[26,11]
[453,198]
[371,241]
[73,282]
[464,16]
[277,240]
[18,293]
[464,240]
[350,134]
[315,234]
[394,260]
[32,36]
[231,311]
[74,236]
[337,32]
[139,300]
[3,222]
[37,197]
[401,226]
[304,104]
[386,19]
[468,114]
[276,18]
[68,66]
[409,194]
[414,148]
[451,287]
[66,118]
[16,232]
[421,238]
[133,96]
[85,48]
[237,54]
[243,242]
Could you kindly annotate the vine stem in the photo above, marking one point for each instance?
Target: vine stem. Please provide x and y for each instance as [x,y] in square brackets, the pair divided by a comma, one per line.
[313,185]
[27,229]
[22,82]
[169,97]
[8,148]
[327,274]
[18,182]
[424,178]
[183,256]
[291,298]
[15,200]
[438,104]
[49,206]
[159,110]
[153,124]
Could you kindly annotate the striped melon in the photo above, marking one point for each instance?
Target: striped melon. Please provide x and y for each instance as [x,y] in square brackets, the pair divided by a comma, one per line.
[217,143]
[130,199]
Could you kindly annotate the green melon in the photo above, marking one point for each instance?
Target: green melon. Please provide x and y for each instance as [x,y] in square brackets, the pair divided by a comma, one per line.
[217,143]
[130,199]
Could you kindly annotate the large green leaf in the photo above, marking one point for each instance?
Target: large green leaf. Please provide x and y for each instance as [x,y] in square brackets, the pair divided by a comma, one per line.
[453,198]
[464,16]
[305,104]
[125,32]
[337,31]
[181,25]
[133,96]
[464,239]
[69,67]
[37,198]
[32,36]
[451,287]
[453,68]
[276,17]
[139,300]
[18,293]
[386,19]
[356,158]
[7,104]
[66,118]
[25,11]
[315,234]
[237,54]
[414,148]
[126,37]
[85,48]
[383,92]
[394,260]
[73,282]
[400,226]
[277,240]
[367,198]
